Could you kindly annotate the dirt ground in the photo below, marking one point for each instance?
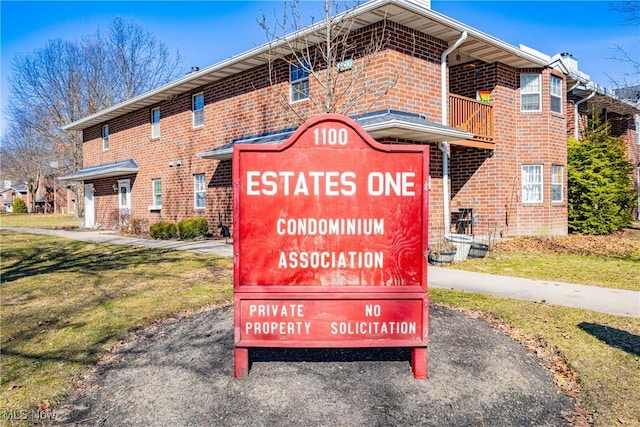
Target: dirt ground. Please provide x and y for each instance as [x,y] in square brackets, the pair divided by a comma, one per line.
[180,373]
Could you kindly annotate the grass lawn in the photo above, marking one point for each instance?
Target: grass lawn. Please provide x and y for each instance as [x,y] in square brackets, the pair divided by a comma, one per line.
[67,303]
[51,221]
[603,350]
[611,261]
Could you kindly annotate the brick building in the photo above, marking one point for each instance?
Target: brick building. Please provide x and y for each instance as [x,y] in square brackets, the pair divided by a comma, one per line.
[495,117]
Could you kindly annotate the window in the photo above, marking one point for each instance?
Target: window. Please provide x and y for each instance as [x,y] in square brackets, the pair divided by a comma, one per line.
[556,94]
[197,105]
[124,199]
[105,137]
[532,184]
[155,123]
[557,177]
[199,191]
[157,192]
[299,78]
[530,92]
[637,129]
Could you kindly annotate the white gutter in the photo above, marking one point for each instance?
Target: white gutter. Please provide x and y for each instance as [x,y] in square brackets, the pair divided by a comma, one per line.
[235,60]
[576,133]
[527,54]
[399,124]
[255,57]
[444,145]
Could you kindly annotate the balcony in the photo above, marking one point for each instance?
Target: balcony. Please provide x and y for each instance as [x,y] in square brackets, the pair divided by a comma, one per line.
[471,116]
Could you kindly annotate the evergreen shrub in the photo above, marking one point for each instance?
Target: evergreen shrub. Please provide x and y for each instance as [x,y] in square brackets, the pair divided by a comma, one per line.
[19,206]
[163,230]
[600,190]
[193,228]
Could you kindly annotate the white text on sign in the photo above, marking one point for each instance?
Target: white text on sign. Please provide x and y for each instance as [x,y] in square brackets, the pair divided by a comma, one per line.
[328,183]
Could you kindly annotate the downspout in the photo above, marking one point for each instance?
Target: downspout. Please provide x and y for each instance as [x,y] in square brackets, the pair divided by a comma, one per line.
[576,133]
[444,145]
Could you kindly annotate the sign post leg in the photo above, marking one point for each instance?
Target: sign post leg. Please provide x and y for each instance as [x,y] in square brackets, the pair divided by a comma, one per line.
[241,362]
[419,363]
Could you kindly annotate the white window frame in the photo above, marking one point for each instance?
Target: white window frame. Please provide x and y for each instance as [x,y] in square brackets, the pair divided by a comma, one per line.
[197,113]
[557,184]
[124,196]
[532,184]
[105,137]
[199,191]
[555,92]
[530,89]
[156,194]
[155,124]
[299,82]
[637,120]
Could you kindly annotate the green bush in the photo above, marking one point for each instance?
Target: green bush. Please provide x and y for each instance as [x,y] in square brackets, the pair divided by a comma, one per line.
[193,228]
[163,230]
[600,190]
[19,206]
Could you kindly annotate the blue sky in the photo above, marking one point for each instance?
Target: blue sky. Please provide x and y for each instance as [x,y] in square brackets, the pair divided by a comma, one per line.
[206,32]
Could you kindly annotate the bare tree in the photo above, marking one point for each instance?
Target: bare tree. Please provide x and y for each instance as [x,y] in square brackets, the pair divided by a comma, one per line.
[65,81]
[631,16]
[329,53]
[139,62]
[27,154]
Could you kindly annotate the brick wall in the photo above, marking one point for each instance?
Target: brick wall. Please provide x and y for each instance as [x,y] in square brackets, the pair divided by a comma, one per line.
[251,102]
[490,183]
[257,101]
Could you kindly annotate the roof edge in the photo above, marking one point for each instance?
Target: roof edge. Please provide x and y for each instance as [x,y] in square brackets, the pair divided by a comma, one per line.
[411,5]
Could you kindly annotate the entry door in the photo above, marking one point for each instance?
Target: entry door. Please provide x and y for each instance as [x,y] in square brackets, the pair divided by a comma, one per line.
[89,209]
[124,199]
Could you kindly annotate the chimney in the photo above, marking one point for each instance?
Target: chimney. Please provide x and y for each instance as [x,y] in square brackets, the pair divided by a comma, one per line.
[569,61]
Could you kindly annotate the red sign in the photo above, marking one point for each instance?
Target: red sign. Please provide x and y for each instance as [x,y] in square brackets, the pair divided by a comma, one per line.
[326,217]
[327,322]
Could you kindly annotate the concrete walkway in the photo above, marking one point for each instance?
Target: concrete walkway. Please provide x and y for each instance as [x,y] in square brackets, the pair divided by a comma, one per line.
[213,247]
[618,302]
[604,300]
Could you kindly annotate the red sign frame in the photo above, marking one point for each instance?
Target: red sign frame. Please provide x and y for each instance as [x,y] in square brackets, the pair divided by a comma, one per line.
[332,224]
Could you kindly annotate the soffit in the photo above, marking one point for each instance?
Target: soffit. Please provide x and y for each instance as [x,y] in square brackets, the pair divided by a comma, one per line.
[608,101]
[107,170]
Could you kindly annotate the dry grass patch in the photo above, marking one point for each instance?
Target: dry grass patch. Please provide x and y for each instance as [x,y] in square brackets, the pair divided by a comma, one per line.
[66,303]
[609,261]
